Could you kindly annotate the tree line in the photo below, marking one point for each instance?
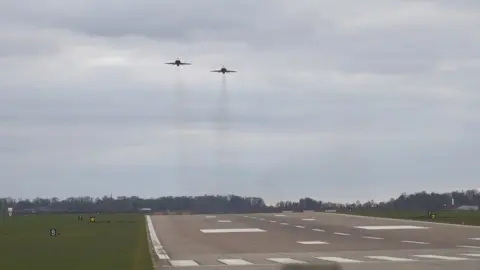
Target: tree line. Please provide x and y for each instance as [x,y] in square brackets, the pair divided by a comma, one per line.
[421,201]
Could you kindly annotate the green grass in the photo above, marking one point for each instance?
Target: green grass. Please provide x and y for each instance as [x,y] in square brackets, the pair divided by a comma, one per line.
[456,217]
[25,243]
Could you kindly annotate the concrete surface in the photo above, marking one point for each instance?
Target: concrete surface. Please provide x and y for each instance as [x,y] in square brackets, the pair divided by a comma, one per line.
[312,238]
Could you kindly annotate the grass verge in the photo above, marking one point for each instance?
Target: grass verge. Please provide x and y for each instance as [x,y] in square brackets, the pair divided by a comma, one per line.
[455,217]
[120,244]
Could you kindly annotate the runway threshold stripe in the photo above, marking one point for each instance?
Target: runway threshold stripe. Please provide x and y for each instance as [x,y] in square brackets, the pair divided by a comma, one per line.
[470,254]
[339,233]
[461,246]
[283,223]
[446,258]
[308,219]
[183,263]
[318,230]
[234,262]
[338,259]
[372,237]
[286,261]
[392,259]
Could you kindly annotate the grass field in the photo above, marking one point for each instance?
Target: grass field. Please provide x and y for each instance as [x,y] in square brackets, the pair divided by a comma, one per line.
[456,217]
[25,243]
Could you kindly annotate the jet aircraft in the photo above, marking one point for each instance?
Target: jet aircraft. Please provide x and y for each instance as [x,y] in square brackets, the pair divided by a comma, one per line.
[223,70]
[178,63]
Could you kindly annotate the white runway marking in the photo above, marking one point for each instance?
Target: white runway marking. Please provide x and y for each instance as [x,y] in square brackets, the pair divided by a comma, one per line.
[232,230]
[159,250]
[414,242]
[339,233]
[462,246]
[392,259]
[279,215]
[318,230]
[476,239]
[210,216]
[273,221]
[182,263]
[283,223]
[246,216]
[234,262]
[224,221]
[308,219]
[338,259]
[372,237]
[301,227]
[261,219]
[398,227]
[447,258]
[312,242]
[286,261]
[471,254]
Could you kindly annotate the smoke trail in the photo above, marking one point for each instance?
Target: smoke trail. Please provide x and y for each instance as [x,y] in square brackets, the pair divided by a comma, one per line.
[221,135]
[179,125]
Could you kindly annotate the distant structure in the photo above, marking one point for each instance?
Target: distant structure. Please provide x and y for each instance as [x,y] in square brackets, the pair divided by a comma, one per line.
[467,208]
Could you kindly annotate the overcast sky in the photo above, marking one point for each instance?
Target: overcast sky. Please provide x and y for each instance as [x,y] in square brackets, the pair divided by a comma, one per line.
[336,100]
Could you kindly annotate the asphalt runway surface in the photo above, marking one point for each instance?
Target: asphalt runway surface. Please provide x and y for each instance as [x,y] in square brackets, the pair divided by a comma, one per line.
[268,241]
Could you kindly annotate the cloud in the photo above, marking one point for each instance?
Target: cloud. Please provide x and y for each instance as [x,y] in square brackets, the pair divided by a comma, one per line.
[379,96]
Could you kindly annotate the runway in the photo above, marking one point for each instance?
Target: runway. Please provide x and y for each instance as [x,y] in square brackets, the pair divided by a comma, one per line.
[267,241]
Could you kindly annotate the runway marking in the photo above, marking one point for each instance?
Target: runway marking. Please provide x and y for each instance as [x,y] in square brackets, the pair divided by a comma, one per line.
[286,261]
[318,230]
[392,259]
[312,242]
[447,258]
[301,227]
[372,237]
[261,219]
[339,233]
[398,227]
[462,246]
[272,221]
[224,221]
[283,223]
[246,216]
[475,239]
[279,215]
[470,254]
[308,219]
[414,242]
[159,251]
[181,263]
[235,262]
[338,259]
[231,230]
[210,216]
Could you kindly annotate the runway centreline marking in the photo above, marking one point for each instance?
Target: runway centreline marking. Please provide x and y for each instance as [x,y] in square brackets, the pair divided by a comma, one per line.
[312,242]
[318,230]
[300,227]
[392,227]
[475,239]
[389,258]
[224,221]
[414,242]
[283,223]
[373,237]
[308,219]
[339,233]
[210,216]
[338,259]
[157,246]
[233,230]
[446,258]
[466,246]
[279,215]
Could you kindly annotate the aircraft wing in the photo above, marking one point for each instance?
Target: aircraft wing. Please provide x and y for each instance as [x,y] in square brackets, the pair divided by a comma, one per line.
[185,63]
[230,71]
[216,71]
[171,63]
